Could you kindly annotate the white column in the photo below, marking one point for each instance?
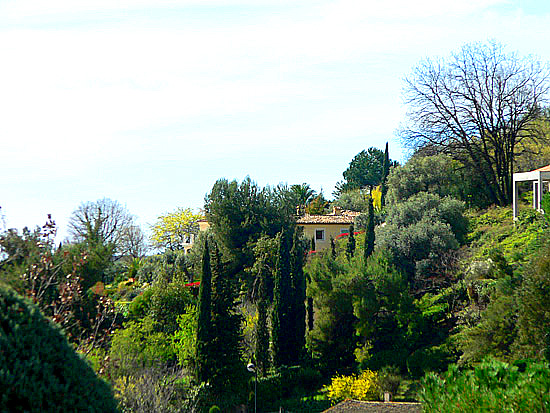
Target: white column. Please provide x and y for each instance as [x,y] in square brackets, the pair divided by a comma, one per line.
[539,195]
[535,195]
[515,198]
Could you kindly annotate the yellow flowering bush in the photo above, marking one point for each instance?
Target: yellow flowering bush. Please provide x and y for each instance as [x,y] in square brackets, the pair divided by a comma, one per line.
[356,387]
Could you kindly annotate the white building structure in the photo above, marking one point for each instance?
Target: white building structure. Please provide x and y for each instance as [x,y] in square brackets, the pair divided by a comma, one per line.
[538,177]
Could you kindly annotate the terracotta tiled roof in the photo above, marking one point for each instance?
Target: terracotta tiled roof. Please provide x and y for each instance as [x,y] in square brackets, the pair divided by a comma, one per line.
[340,217]
[543,169]
[354,406]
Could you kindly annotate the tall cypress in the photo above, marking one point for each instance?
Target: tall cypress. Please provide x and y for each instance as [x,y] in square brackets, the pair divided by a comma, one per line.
[369,233]
[204,326]
[385,173]
[298,296]
[228,373]
[262,332]
[350,246]
[280,318]
[332,247]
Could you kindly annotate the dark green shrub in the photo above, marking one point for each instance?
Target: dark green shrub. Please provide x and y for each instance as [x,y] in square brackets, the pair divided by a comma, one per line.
[39,371]
[492,386]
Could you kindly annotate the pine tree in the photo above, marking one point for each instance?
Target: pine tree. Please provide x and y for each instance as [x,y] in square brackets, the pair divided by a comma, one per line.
[281,313]
[204,326]
[298,296]
[350,246]
[385,173]
[369,233]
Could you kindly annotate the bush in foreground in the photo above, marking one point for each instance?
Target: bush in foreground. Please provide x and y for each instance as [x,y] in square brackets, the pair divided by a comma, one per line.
[39,370]
[492,386]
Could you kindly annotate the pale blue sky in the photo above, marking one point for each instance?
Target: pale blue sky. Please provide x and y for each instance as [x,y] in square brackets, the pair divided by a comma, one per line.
[148,102]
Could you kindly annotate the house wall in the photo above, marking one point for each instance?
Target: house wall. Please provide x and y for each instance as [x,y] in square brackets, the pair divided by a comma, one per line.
[330,230]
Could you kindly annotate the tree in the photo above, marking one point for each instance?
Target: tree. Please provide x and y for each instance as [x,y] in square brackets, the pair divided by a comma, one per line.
[369,233]
[173,230]
[204,322]
[350,246]
[99,223]
[282,306]
[298,294]
[41,371]
[302,195]
[228,369]
[476,106]
[421,232]
[385,173]
[240,213]
[133,243]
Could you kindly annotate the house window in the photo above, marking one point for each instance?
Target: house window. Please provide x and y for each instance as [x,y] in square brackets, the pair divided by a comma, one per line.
[319,234]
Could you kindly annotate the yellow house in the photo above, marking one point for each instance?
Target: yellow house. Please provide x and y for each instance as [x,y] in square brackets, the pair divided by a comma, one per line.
[320,227]
[323,227]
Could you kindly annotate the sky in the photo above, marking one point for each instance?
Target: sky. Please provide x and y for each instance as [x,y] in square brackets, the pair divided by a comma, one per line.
[149,102]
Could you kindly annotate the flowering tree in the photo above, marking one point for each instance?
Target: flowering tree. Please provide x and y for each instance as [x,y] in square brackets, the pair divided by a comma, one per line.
[174,229]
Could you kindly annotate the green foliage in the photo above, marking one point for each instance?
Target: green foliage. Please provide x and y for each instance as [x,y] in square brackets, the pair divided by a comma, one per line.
[239,213]
[439,175]
[40,370]
[333,340]
[492,386]
[350,245]
[545,204]
[353,200]
[366,169]
[138,346]
[286,383]
[282,306]
[204,321]
[368,247]
[166,303]
[174,230]
[420,232]
[214,409]
[184,339]
[228,371]
[318,206]
[533,300]
[383,307]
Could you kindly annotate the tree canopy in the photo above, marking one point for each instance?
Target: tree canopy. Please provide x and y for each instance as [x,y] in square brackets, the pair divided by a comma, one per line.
[476,106]
[174,229]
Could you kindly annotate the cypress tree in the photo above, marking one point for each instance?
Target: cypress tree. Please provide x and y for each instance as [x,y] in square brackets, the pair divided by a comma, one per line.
[228,372]
[281,315]
[313,243]
[332,247]
[385,173]
[309,313]
[369,233]
[262,332]
[350,246]
[298,296]
[204,326]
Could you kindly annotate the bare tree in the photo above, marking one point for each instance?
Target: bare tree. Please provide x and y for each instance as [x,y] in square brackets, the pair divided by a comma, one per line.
[100,222]
[132,242]
[477,106]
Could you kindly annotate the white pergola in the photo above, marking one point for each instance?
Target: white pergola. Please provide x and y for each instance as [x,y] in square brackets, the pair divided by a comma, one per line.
[538,176]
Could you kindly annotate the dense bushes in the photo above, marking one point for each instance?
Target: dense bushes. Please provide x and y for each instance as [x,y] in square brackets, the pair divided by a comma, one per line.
[492,386]
[39,371]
